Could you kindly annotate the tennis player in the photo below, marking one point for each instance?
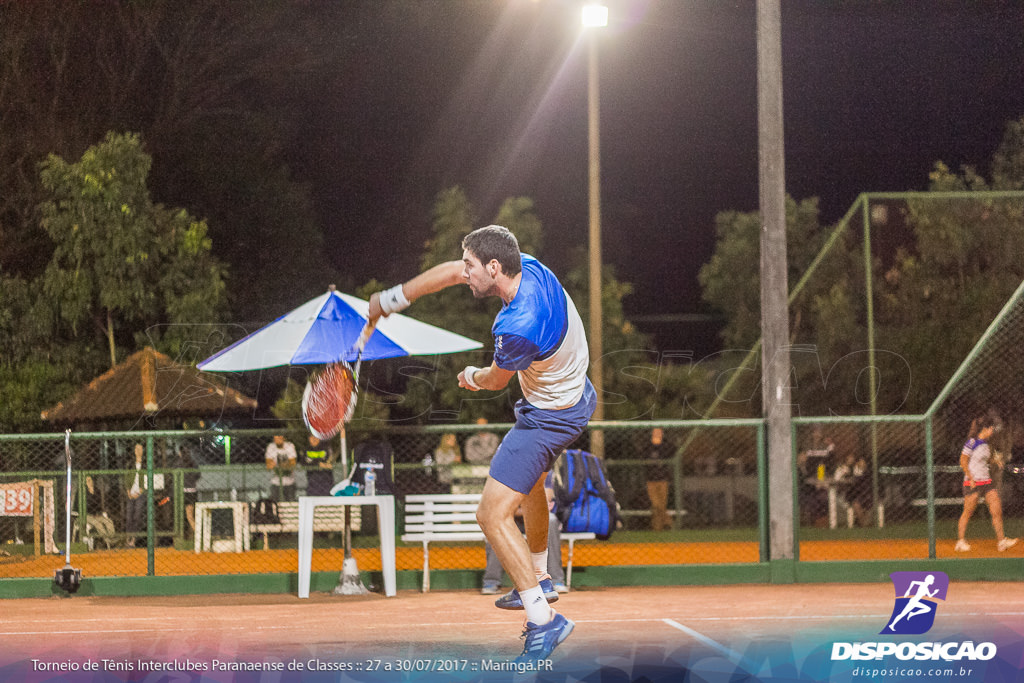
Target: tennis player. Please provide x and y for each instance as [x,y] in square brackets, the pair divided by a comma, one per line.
[539,335]
[975,460]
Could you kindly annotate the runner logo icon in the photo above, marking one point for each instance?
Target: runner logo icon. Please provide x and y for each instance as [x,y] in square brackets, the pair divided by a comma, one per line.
[916,595]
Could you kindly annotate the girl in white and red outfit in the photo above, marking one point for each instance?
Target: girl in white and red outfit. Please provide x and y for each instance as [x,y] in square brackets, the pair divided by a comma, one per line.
[974,461]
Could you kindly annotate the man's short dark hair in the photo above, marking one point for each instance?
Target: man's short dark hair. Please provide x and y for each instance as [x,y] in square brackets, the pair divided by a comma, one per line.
[497,243]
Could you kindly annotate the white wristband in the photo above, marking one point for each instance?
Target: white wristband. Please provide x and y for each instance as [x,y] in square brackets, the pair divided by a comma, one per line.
[467,375]
[393,300]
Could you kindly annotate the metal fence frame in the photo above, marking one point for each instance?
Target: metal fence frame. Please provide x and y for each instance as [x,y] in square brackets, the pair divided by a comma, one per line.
[924,422]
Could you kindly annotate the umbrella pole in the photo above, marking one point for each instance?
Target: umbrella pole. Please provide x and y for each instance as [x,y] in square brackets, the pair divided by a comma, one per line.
[342,443]
[349,582]
[68,578]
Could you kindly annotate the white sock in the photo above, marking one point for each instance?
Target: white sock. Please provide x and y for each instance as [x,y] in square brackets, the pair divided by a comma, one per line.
[537,610]
[540,563]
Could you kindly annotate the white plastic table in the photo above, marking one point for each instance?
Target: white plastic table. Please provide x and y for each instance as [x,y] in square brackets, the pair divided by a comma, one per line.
[386,524]
[240,517]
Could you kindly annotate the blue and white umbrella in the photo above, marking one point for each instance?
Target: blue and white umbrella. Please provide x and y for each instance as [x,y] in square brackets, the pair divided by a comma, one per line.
[325,329]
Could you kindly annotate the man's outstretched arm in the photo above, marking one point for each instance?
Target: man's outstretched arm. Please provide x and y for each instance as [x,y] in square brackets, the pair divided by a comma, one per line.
[432,280]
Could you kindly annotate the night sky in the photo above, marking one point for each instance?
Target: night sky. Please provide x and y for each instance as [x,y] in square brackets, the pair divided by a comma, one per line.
[491,95]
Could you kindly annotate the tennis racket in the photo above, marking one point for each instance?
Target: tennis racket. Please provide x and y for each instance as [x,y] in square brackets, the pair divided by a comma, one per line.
[329,399]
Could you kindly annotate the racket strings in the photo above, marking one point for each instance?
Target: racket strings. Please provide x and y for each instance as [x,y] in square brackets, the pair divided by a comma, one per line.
[330,400]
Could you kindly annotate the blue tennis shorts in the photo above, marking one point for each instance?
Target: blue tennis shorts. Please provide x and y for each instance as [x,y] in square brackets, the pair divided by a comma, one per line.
[537,439]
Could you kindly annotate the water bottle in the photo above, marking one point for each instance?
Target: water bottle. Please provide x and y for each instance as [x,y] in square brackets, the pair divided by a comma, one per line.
[370,483]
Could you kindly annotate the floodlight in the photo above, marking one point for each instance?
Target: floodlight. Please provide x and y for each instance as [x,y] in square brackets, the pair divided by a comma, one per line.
[595,15]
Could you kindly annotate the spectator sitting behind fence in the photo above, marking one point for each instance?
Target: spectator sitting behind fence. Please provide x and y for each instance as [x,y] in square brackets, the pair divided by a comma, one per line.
[446,454]
[96,515]
[813,465]
[319,458]
[190,481]
[975,460]
[493,572]
[851,478]
[821,456]
[135,504]
[281,459]
[481,446]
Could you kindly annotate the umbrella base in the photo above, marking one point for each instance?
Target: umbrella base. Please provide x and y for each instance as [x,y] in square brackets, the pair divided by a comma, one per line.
[68,578]
[350,583]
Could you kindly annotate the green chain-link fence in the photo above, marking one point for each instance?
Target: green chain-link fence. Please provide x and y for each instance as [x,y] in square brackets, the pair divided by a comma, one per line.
[867,486]
[892,328]
[715,499]
[863,479]
[711,497]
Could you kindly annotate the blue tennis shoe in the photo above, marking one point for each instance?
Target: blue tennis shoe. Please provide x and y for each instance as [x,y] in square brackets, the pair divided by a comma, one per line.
[511,600]
[542,640]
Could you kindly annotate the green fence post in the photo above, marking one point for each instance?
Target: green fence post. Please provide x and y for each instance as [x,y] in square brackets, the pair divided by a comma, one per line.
[762,495]
[796,492]
[869,303]
[178,488]
[929,474]
[81,505]
[677,495]
[150,510]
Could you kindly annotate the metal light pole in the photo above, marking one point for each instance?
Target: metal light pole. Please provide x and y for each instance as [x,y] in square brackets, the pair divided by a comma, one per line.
[595,16]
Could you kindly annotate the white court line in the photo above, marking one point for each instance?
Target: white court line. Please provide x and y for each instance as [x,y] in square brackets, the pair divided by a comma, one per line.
[792,617]
[92,631]
[155,623]
[735,656]
[156,620]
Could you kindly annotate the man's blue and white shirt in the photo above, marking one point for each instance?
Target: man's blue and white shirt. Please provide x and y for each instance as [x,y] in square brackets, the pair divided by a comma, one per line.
[540,335]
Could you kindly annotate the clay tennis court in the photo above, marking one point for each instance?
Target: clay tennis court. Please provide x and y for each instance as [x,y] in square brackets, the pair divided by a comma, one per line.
[661,629]
[643,631]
